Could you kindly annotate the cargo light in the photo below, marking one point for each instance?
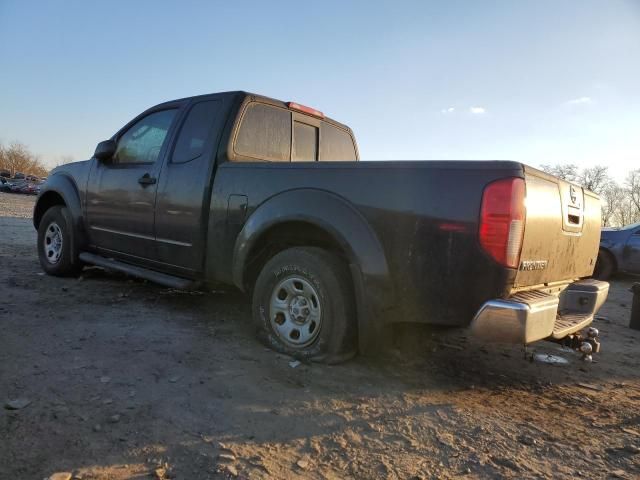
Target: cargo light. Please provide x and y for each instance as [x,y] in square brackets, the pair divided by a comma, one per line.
[303,109]
[502,218]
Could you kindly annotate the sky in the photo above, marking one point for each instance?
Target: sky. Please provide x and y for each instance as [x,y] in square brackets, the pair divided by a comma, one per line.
[538,82]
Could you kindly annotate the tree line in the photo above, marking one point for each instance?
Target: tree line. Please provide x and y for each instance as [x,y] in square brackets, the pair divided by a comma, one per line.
[16,157]
[620,201]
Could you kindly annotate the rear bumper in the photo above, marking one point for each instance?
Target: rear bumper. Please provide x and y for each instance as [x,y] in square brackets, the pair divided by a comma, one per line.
[530,316]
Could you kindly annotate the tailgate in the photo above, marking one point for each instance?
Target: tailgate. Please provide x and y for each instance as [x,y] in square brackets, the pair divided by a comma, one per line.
[562,231]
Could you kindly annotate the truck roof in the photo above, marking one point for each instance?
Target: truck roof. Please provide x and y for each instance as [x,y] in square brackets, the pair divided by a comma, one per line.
[248,96]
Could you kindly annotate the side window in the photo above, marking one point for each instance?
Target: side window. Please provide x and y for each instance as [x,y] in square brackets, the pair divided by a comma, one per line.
[336,144]
[305,143]
[144,140]
[265,133]
[195,131]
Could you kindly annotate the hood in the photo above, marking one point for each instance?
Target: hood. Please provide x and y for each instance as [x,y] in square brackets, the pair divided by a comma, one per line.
[76,172]
[613,235]
[70,167]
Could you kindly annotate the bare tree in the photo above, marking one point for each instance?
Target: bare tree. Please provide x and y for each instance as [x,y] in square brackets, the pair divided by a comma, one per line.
[626,212]
[3,161]
[595,178]
[633,188]
[612,198]
[17,158]
[567,172]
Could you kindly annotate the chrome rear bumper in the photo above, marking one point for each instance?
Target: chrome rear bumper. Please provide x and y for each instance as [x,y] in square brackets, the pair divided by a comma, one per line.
[530,316]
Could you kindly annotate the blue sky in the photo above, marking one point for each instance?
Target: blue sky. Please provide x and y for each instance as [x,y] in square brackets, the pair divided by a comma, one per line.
[539,82]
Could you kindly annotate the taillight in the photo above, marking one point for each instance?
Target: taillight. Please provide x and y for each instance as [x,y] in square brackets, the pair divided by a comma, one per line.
[502,220]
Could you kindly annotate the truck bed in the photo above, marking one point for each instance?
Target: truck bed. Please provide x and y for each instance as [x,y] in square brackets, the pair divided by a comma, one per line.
[425,215]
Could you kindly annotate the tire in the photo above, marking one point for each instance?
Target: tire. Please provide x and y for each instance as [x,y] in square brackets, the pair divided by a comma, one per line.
[56,245]
[605,266]
[303,306]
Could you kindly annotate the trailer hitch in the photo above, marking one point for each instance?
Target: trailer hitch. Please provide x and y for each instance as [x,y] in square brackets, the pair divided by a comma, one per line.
[586,342]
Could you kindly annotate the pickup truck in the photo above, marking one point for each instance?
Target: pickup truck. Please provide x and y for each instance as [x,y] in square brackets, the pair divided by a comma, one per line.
[239,189]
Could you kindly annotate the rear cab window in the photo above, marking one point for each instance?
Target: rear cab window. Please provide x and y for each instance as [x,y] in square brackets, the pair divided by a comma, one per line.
[336,144]
[265,133]
[272,133]
[305,142]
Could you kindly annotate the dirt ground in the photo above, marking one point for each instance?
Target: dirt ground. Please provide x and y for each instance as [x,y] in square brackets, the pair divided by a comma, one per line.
[117,378]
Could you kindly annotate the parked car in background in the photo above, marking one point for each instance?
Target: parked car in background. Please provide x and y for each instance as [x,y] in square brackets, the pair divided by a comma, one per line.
[29,189]
[5,174]
[19,176]
[5,186]
[619,251]
[16,185]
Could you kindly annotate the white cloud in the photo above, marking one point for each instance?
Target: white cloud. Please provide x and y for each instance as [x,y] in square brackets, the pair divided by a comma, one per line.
[477,110]
[447,110]
[580,101]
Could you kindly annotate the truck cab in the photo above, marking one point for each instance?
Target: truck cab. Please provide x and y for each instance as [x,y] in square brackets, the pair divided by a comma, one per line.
[147,201]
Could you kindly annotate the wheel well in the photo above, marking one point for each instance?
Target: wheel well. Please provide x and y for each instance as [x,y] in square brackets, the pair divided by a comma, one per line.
[283,236]
[48,200]
[611,256]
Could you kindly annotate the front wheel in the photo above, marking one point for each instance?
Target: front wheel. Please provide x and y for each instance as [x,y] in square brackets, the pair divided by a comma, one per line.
[303,305]
[56,243]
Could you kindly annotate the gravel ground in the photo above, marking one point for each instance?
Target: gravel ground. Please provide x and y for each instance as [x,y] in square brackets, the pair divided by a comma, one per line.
[114,378]
[15,205]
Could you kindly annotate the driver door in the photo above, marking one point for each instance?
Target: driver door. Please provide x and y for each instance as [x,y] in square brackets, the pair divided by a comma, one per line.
[121,192]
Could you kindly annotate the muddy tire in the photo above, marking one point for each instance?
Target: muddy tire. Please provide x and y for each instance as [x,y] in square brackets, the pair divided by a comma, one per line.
[56,245]
[303,305]
[605,266]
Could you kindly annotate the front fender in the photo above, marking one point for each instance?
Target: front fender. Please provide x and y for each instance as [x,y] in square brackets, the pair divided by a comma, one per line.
[61,186]
[347,226]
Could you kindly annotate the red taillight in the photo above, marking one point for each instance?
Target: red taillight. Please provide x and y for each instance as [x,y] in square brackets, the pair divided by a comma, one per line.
[303,109]
[502,220]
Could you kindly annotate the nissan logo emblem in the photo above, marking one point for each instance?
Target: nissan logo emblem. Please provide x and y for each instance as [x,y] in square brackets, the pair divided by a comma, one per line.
[573,194]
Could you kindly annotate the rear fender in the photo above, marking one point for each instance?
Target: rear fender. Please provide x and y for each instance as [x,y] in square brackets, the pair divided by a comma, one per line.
[366,257]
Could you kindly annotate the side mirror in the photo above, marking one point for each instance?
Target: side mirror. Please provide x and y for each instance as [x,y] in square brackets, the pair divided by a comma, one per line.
[105,150]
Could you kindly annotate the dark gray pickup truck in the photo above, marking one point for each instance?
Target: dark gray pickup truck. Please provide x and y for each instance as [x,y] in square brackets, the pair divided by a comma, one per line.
[238,189]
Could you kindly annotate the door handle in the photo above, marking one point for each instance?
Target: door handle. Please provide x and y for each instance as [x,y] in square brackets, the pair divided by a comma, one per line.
[146,179]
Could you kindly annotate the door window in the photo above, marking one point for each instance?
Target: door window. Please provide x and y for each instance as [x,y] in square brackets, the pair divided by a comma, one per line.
[143,141]
[305,143]
[195,131]
[337,144]
[265,133]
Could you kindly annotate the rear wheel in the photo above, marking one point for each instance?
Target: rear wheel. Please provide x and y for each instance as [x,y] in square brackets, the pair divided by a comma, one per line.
[605,266]
[56,243]
[303,305]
